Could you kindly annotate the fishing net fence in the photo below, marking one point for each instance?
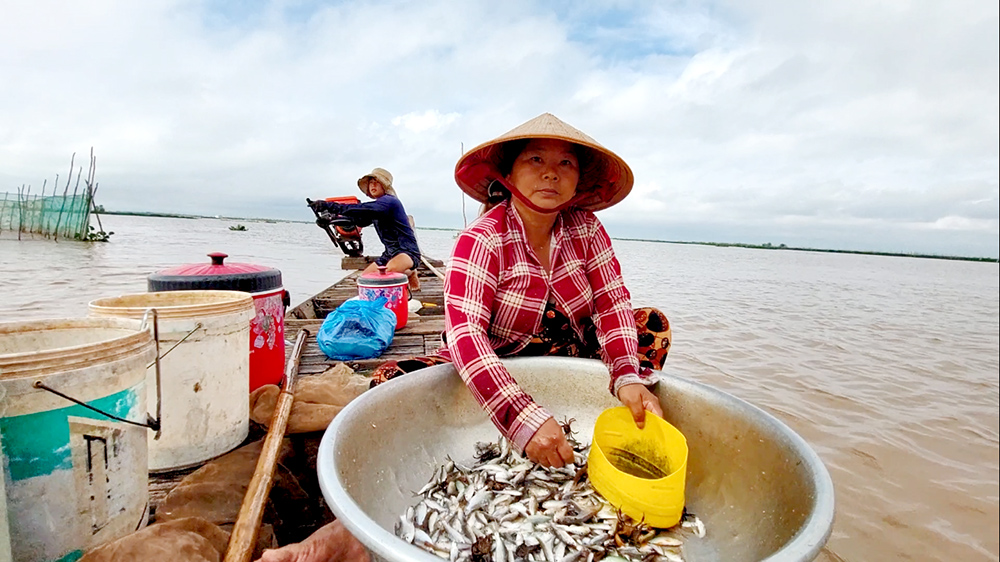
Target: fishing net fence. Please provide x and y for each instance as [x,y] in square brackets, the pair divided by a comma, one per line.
[52,215]
[56,215]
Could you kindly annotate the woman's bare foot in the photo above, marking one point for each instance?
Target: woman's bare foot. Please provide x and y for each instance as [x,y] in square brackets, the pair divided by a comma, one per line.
[331,543]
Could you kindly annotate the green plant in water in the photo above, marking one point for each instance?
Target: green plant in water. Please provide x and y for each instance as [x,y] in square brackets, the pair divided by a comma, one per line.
[95,235]
[238,227]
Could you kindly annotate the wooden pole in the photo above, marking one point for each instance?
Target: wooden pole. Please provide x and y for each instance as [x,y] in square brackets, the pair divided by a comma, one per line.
[92,191]
[244,536]
[69,179]
[30,219]
[20,212]
[41,208]
[76,187]
[3,210]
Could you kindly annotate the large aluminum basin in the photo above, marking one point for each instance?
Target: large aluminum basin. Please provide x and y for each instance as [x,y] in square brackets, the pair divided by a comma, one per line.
[761,491]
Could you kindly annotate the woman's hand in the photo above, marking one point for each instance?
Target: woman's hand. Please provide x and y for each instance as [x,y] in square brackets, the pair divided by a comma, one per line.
[549,447]
[638,399]
[331,543]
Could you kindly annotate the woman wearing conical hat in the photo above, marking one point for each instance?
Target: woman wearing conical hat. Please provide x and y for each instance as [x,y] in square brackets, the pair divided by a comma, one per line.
[536,275]
[386,213]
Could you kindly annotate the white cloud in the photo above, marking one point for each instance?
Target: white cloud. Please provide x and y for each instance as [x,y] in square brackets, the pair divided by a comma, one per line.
[821,121]
[424,121]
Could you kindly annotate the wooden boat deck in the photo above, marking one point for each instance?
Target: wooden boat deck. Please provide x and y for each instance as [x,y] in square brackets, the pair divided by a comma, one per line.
[420,336]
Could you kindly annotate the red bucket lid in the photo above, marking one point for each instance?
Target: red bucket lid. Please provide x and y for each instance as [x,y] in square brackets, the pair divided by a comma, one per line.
[216,275]
[381,278]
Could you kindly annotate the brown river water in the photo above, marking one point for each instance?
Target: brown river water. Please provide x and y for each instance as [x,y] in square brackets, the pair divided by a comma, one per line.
[888,367]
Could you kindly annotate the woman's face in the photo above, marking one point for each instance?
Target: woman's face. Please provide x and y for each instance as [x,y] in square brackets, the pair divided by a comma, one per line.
[375,188]
[546,172]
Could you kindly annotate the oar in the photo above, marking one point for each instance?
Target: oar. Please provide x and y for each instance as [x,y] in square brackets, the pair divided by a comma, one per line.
[244,536]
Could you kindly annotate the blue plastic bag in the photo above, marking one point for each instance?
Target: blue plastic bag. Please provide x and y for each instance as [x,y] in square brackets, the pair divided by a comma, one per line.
[357,329]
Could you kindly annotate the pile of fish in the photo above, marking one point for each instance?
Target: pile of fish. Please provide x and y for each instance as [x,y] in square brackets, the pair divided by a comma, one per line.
[501,507]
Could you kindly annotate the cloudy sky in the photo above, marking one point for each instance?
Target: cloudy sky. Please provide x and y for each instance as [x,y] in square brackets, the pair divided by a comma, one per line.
[845,124]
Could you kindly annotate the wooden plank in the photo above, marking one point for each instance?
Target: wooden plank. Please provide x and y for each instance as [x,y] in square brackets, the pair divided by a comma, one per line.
[313,369]
[420,336]
[352,262]
[304,310]
[293,325]
[430,324]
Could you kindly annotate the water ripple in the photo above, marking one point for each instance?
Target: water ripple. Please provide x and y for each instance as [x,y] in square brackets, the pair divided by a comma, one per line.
[887,367]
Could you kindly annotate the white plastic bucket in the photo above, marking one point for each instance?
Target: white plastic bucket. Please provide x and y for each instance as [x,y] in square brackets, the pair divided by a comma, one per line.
[4,525]
[204,371]
[72,478]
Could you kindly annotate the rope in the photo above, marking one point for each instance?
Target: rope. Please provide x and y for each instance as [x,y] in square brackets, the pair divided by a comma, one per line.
[433,269]
[423,258]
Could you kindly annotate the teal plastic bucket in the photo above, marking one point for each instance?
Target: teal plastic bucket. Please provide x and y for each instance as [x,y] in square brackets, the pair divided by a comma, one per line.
[73,478]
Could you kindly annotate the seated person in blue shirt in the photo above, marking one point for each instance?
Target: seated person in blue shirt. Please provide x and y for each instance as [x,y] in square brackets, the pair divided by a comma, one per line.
[386,212]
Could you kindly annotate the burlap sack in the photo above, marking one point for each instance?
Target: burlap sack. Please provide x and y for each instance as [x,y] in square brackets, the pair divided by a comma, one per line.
[190,539]
[318,399]
[215,491]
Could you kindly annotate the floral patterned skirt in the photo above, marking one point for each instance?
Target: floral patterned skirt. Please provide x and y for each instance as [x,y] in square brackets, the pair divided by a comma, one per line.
[557,338]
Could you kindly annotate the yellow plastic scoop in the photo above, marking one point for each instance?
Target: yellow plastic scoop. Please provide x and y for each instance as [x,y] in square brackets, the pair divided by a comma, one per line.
[639,471]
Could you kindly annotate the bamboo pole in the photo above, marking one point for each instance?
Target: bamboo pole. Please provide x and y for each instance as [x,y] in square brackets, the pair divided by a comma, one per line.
[92,191]
[69,179]
[30,218]
[8,211]
[55,194]
[244,536]
[76,188]
[20,212]
[41,208]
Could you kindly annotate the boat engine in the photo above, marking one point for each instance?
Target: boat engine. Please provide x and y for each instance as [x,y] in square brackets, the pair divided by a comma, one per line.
[342,230]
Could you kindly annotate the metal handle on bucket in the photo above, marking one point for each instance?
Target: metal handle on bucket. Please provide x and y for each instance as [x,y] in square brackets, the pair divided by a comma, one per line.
[151,422]
[155,422]
[156,337]
[156,362]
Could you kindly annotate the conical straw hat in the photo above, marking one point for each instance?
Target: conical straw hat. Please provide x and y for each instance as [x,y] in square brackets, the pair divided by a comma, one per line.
[605,179]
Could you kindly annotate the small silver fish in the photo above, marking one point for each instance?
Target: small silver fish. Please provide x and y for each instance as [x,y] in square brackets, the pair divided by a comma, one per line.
[507,509]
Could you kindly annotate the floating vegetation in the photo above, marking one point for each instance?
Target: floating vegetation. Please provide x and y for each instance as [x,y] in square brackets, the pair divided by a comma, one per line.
[238,228]
[95,235]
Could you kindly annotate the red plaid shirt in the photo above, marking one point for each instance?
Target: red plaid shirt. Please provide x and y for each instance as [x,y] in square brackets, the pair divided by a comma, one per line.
[495,294]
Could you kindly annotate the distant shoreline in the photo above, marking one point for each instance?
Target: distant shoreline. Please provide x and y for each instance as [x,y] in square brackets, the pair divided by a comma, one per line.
[822,250]
[180,216]
[717,244]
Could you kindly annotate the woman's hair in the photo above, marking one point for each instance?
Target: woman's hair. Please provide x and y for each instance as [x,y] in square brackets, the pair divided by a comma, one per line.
[509,151]
[496,193]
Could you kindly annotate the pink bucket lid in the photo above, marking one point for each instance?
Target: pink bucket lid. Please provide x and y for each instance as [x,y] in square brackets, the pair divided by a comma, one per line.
[381,278]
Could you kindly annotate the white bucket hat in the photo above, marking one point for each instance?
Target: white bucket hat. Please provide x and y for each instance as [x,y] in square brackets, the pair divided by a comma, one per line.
[382,175]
